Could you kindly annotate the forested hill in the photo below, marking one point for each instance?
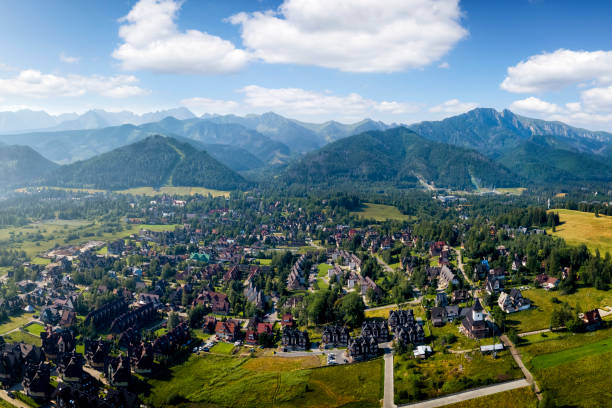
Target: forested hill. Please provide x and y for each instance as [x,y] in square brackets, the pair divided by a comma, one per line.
[401,157]
[154,161]
[19,164]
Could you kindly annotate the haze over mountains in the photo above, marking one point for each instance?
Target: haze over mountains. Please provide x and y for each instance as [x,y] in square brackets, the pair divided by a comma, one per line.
[495,149]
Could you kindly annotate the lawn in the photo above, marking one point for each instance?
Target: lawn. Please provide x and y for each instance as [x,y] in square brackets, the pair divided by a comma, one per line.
[380,212]
[223,348]
[443,374]
[218,381]
[383,312]
[23,336]
[323,268]
[35,329]
[15,322]
[539,317]
[584,228]
[520,397]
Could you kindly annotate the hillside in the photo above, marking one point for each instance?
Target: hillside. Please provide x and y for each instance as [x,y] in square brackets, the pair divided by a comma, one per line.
[539,160]
[154,161]
[20,164]
[493,133]
[401,157]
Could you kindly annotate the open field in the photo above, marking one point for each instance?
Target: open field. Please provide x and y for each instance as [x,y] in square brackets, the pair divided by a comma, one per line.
[15,322]
[584,228]
[511,190]
[323,269]
[39,237]
[216,381]
[520,397]
[562,357]
[383,312]
[146,191]
[581,360]
[380,212]
[539,317]
[149,191]
[443,374]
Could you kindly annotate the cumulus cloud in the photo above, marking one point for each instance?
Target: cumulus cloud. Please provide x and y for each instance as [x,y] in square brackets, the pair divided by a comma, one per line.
[354,35]
[68,59]
[152,41]
[33,83]
[453,107]
[597,99]
[533,105]
[201,105]
[556,70]
[301,102]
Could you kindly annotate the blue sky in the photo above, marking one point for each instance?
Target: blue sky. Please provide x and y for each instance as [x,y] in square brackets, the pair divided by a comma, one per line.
[393,60]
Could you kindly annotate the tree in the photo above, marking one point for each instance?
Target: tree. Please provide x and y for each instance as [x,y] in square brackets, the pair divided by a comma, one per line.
[173,321]
[196,315]
[351,309]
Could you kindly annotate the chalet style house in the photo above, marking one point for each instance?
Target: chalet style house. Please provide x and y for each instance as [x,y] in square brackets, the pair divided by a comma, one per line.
[377,329]
[335,336]
[362,347]
[405,328]
[474,324]
[513,302]
[294,339]
[228,330]
[592,320]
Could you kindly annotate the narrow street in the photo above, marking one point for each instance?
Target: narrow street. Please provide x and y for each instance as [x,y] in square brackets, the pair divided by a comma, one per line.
[389,390]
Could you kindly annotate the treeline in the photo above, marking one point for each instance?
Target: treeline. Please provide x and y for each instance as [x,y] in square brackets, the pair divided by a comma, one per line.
[528,217]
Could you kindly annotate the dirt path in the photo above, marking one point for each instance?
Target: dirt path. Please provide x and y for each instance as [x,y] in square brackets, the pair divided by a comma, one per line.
[533,332]
[470,394]
[519,362]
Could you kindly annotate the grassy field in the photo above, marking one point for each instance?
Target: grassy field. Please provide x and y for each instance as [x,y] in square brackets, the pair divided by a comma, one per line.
[35,329]
[216,381]
[539,317]
[520,397]
[511,190]
[443,374]
[380,212]
[562,357]
[23,336]
[581,360]
[15,322]
[39,237]
[149,191]
[223,348]
[323,268]
[584,228]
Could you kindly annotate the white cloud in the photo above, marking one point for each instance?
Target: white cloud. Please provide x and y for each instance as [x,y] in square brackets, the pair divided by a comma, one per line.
[152,41]
[444,65]
[205,105]
[301,102]
[453,107]
[597,99]
[354,35]
[533,105]
[68,59]
[556,70]
[33,83]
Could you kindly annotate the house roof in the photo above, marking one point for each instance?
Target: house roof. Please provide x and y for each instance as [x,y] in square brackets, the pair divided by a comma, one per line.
[477,306]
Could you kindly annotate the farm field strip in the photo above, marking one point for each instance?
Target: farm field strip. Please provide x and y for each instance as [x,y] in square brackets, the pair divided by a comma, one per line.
[572,354]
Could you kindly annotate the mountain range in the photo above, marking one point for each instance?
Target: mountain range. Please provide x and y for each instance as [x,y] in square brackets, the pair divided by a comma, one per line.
[481,148]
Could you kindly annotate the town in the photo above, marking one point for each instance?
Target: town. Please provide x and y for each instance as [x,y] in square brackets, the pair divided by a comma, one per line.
[114,318]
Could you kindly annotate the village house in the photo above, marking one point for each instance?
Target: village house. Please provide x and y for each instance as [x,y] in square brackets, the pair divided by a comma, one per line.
[377,329]
[218,302]
[294,339]
[335,336]
[460,296]
[96,353]
[547,282]
[474,324]
[362,348]
[438,316]
[70,367]
[513,302]
[405,328]
[592,320]
[118,371]
[36,380]
[228,331]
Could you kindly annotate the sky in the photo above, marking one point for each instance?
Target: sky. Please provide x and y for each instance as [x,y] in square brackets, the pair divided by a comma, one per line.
[399,61]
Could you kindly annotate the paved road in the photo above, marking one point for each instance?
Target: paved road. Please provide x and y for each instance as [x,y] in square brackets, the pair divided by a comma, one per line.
[389,394]
[519,362]
[460,267]
[384,264]
[467,395]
